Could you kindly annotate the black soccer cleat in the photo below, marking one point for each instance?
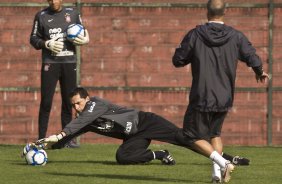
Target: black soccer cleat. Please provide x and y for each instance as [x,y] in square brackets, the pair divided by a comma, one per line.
[168,159]
[240,161]
[72,144]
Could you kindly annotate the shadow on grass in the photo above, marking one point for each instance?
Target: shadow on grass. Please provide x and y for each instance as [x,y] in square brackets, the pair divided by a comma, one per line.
[9,146]
[106,162]
[126,177]
[101,162]
[23,162]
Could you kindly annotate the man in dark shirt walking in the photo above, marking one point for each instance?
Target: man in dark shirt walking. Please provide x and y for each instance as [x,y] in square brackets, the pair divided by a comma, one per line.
[213,50]
[58,58]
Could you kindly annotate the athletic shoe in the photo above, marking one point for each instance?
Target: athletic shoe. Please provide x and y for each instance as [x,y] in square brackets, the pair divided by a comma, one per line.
[168,159]
[240,161]
[216,179]
[226,172]
[72,144]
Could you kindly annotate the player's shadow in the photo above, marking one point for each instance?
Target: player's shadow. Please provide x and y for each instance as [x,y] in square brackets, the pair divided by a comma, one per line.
[20,163]
[104,162]
[23,163]
[126,177]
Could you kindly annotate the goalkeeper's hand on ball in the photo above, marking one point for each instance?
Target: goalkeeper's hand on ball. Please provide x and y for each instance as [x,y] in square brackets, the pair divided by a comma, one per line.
[82,39]
[55,44]
[51,139]
[47,142]
[30,146]
[26,149]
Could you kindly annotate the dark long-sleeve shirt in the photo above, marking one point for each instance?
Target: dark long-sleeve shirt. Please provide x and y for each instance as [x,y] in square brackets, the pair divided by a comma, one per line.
[49,24]
[105,118]
[213,50]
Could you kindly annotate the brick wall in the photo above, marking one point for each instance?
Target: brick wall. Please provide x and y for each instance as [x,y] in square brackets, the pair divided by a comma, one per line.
[132,47]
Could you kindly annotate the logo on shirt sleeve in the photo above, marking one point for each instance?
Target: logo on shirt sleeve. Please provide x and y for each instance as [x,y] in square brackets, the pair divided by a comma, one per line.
[91,108]
[128,127]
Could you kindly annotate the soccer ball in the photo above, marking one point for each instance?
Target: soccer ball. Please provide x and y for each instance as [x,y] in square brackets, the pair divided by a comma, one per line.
[36,157]
[74,30]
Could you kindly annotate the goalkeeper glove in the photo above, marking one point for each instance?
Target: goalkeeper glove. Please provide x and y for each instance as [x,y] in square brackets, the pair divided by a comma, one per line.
[30,146]
[51,139]
[26,149]
[82,39]
[54,45]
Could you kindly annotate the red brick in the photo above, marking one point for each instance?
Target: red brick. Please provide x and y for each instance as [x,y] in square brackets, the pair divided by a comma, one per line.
[20,79]
[252,98]
[103,79]
[20,64]
[257,37]
[18,50]
[250,12]
[150,65]
[19,11]
[14,22]
[277,54]
[244,23]
[14,126]
[175,1]
[277,96]
[132,47]
[103,65]
[114,96]
[158,80]
[243,139]
[151,1]
[277,18]
[277,79]
[157,97]
[7,37]
[276,111]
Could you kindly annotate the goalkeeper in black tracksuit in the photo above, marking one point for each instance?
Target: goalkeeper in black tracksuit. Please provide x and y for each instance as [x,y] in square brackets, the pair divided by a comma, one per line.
[136,129]
[58,58]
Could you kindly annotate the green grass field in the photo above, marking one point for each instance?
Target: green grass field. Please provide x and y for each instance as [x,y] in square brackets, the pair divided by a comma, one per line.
[96,164]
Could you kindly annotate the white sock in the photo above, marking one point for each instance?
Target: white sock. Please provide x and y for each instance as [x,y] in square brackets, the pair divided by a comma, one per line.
[154,155]
[217,158]
[216,170]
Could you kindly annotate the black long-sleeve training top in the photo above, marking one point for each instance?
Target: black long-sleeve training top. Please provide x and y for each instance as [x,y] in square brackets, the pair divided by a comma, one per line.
[105,118]
[49,24]
[213,50]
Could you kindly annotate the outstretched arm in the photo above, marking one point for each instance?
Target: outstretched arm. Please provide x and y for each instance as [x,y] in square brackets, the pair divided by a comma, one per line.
[51,139]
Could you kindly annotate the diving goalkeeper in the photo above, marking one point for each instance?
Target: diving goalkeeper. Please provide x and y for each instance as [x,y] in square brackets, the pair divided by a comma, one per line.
[136,129]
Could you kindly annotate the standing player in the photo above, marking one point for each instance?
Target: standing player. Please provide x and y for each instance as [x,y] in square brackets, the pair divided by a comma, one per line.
[136,129]
[58,59]
[213,50]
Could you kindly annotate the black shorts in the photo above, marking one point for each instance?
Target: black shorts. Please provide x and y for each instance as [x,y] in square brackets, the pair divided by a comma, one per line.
[203,125]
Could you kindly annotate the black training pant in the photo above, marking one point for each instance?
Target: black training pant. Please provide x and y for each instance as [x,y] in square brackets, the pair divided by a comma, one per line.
[51,73]
[151,127]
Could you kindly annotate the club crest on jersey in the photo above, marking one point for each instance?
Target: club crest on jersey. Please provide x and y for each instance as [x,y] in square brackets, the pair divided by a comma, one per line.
[67,17]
